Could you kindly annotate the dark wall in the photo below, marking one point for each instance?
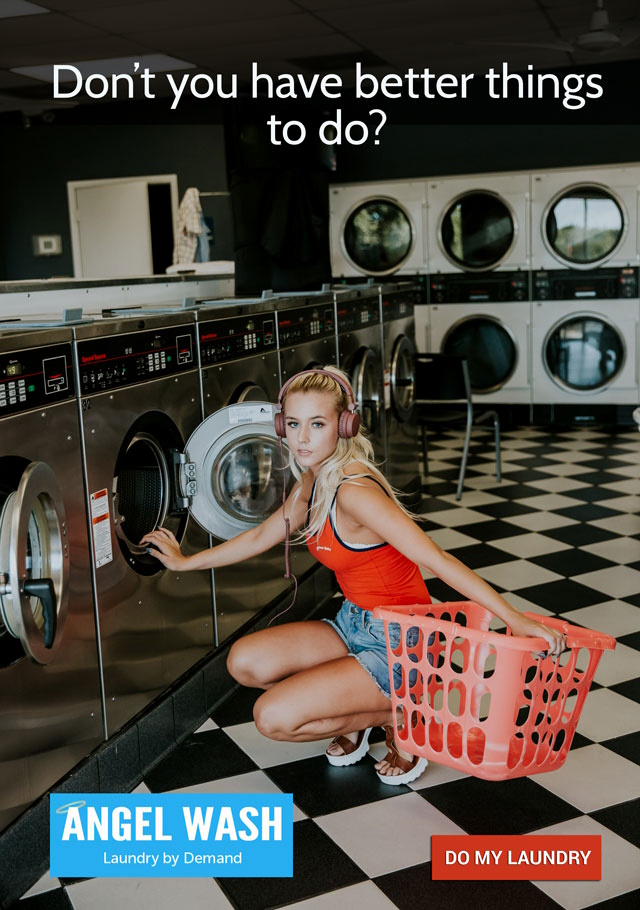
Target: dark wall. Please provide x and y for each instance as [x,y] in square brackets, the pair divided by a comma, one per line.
[434,150]
[37,162]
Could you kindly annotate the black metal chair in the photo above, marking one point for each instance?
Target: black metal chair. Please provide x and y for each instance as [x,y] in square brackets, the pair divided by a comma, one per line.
[443,398]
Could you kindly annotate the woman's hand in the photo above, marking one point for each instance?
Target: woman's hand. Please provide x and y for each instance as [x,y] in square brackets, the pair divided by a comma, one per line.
[523,625]
[162,544]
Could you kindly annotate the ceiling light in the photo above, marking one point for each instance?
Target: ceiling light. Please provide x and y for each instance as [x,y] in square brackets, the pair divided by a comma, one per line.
[155,63]
[11,8]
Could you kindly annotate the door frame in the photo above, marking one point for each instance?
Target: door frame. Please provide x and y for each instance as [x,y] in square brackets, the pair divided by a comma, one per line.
[73,185]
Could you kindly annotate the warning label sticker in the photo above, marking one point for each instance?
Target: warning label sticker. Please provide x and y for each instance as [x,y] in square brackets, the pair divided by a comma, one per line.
[101,529]
[258,413]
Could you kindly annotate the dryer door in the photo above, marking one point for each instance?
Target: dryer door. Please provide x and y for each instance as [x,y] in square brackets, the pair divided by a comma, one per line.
[368,389]
[489,347]
[378,236]
[402,378]
[234,469]
[34,562]
[584,353]
[477,231]
[584,226]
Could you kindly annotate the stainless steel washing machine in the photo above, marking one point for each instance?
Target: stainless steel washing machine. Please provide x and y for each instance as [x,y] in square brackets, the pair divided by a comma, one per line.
[306,331]
[239,366]
[402,468]
[50,699]
[487,319]
[139,397]
[360,356]
[586,339]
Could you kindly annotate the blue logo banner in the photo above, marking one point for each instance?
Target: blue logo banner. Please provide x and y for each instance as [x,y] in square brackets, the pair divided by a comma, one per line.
[171,835]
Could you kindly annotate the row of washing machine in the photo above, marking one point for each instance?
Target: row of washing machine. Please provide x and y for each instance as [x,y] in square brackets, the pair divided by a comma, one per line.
[113,426]
[576,218]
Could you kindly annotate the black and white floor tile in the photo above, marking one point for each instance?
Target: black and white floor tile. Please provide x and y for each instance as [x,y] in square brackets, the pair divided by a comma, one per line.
[560,535]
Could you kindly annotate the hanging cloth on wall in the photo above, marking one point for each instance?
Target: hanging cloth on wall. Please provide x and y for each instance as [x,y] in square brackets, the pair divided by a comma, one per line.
[188,228]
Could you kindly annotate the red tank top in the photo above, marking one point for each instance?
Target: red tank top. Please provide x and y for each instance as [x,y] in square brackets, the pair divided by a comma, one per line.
[374,576]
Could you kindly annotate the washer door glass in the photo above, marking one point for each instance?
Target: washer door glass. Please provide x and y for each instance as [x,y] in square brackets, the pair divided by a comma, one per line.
[367,387]
[489,348]
[584,353]
[34,564]
[378,236]
[584,225]
[402,378]
[477,231]
[235,469]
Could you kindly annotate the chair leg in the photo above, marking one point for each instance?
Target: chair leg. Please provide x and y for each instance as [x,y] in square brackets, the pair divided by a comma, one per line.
[496,430]
[425,454]
[463,466]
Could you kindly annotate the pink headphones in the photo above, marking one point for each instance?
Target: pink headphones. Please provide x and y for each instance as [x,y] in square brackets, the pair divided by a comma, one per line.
[348,420]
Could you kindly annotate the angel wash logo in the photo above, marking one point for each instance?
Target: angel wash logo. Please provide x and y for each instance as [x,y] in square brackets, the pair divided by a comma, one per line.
[146,835]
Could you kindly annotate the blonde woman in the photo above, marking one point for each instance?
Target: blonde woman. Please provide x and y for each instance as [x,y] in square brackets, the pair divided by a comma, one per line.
[330,679]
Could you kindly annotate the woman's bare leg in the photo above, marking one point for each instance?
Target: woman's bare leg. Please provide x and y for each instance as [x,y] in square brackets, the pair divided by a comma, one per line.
[262,659]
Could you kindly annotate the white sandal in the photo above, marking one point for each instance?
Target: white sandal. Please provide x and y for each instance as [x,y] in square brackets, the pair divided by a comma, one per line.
[412,768]
[353,752]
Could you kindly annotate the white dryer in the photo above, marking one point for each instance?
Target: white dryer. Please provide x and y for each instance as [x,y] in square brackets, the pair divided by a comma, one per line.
[377,229]
[585,217]
[479,222]
[486,319]
[585,337]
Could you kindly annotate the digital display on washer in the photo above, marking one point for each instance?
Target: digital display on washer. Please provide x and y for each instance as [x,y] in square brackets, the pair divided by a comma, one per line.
[35,377]
[356,314]
[599,284]
[230,339]
[495,288]
[114,361]
[399,305]
[297,326]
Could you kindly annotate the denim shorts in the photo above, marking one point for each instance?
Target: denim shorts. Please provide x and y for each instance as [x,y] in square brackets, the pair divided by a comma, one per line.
[364,637]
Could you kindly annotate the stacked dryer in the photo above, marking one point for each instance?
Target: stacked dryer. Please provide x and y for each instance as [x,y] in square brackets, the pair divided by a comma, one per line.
[478,237]
[50,699]
[586,310]
[378,229]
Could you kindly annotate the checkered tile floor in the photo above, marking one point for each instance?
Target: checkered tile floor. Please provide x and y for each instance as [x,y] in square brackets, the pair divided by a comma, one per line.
[561,535]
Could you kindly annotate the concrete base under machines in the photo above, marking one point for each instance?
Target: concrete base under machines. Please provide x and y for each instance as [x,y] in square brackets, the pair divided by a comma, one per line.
[120,764]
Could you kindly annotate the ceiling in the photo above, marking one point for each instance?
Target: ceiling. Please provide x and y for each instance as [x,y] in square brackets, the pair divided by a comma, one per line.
[298,36]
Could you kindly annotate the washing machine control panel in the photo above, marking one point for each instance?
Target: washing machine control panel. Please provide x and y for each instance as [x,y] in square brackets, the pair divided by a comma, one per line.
[303,324]
[35,377]
[491,287]
[114,361]
[599,284]
[357,314]
[399,305]
[236,337]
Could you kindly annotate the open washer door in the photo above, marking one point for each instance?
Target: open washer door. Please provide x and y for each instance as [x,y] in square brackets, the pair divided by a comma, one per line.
[234,469]
[34,562]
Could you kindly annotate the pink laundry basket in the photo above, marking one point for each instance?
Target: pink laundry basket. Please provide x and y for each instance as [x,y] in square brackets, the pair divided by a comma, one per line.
[486,702]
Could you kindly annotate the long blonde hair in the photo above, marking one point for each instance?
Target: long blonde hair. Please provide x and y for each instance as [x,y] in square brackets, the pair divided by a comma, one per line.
[332,471]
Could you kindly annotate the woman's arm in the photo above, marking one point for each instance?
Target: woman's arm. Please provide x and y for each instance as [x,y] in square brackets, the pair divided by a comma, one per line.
[368,505]
[164,546]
